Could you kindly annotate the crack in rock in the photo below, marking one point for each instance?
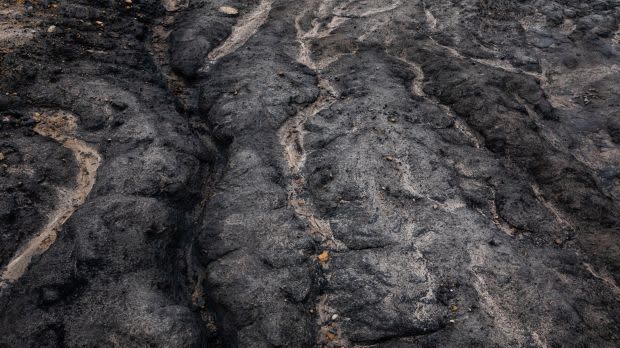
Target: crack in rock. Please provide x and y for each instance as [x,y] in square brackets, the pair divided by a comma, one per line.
[417,89]
[243,30]
[291,138]
[606,278]
[60,127]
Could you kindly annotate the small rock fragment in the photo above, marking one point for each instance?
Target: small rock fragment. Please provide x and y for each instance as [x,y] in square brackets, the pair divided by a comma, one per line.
[229,10]
[1,156]
[175,5]
[51,29]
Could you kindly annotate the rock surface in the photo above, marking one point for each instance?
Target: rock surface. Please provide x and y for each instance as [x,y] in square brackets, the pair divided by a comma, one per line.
[330,173]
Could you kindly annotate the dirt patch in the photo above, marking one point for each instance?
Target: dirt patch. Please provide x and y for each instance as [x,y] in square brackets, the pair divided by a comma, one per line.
[16,29]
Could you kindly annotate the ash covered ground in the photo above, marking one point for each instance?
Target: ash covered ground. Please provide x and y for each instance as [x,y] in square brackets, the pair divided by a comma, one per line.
[329,173]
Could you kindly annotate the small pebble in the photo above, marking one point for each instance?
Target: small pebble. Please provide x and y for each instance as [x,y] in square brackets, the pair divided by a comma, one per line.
[229,10]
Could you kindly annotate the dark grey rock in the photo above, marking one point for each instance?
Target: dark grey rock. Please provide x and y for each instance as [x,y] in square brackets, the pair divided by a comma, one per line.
[457,181]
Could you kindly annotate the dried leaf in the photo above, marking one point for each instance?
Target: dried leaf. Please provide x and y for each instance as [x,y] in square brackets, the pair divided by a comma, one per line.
[324,256]
[330,336]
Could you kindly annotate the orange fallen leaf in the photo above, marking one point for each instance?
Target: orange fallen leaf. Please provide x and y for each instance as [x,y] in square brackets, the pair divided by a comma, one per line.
[330,336]
[324,256]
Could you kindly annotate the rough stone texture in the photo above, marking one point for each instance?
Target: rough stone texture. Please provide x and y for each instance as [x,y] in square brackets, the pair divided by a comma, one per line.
[330,173]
